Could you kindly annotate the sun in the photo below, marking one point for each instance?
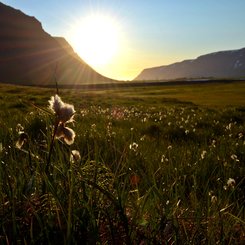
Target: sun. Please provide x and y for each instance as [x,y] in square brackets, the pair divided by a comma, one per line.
[96,39]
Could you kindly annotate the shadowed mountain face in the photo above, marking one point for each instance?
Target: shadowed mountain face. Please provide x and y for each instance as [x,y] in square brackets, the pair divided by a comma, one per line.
[29,55]
[223,64]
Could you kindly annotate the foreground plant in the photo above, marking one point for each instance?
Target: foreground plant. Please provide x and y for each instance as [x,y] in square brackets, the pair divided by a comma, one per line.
[64,114]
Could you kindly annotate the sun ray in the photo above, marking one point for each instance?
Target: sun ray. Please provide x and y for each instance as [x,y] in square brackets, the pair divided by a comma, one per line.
[96,39]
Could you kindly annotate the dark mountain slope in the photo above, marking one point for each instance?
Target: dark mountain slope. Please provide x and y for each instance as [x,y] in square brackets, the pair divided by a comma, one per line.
[29,55]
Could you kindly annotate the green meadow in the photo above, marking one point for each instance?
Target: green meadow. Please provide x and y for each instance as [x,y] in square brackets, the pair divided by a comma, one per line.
[157,165]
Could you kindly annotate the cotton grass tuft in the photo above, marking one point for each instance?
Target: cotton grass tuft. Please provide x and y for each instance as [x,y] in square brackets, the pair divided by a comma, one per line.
[64,114]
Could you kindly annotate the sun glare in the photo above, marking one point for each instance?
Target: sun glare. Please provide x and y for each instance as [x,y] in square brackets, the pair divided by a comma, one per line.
[96,39]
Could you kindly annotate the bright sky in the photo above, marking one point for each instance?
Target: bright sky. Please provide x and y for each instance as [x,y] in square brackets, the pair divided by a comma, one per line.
[121,38]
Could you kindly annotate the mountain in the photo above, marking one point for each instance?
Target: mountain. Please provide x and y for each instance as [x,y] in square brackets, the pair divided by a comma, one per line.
[29,55]
[218,65]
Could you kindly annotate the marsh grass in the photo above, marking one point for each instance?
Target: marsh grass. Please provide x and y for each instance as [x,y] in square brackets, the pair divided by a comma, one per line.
[150,172]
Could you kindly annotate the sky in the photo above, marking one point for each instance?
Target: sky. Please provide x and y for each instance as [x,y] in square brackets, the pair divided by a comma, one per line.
[136,34]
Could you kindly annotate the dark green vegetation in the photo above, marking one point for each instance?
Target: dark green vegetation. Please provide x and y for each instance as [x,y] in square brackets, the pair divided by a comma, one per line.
[159,165]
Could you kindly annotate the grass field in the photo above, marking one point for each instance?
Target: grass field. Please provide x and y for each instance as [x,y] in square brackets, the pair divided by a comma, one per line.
[157,165]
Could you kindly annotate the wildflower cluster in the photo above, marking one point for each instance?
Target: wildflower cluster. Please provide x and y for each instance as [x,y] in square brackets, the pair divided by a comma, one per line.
[137,166]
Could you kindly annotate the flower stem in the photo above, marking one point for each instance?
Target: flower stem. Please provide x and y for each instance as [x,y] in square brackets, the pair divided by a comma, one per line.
[51,148]
[69,221]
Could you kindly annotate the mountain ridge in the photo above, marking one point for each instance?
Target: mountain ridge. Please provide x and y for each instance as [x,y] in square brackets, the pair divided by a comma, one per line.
[29,55]
[216,65]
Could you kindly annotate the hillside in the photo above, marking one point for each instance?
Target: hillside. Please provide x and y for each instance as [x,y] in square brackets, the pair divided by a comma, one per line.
[223,64]
[29,55]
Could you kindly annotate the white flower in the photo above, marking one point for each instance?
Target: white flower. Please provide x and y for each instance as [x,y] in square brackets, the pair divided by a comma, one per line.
[164,159]
[231,182]
[75,156]
[240,135]
[64,112]
[55,103]
[228,127]
[93,126]
[214,199]
[65,133]
[23,137]
[134,146]
[203,154]
[214,143]
[234,157]
[19,128]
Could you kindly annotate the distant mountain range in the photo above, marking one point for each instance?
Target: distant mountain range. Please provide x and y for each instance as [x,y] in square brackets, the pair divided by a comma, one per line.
[29,55]
[219,65]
